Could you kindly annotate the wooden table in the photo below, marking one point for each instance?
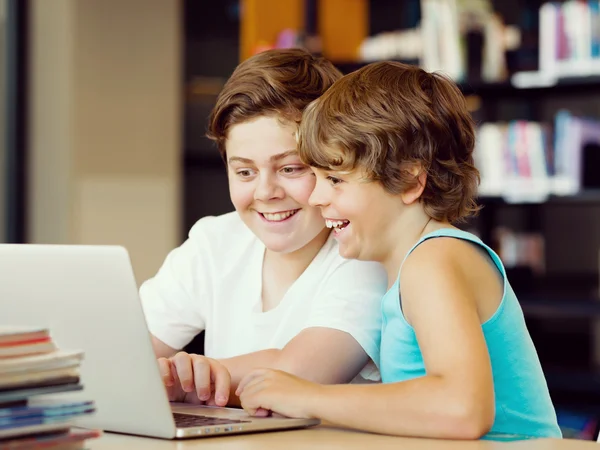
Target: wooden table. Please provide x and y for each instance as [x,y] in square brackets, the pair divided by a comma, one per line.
[326,438]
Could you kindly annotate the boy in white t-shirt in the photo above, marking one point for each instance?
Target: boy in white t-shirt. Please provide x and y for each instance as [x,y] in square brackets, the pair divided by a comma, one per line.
[266,282]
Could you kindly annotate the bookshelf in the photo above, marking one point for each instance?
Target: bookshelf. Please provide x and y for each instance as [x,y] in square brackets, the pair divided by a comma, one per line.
[591,196]
[562,304]
[561,308]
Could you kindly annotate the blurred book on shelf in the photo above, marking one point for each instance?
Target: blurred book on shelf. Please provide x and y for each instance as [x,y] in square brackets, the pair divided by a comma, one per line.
[569,43]
[521,249]
[32,366]
[578,425]
[525,161]
[465,39]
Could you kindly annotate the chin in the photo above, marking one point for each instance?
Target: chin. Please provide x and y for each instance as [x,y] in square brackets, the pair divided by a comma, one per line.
[282,247]
[286,244]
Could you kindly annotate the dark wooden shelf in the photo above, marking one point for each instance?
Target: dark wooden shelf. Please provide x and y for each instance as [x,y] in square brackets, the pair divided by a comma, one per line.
[567,85]
[203,158]
[556,296]
[561,308]
[585,196]
[573,380]
[564,86]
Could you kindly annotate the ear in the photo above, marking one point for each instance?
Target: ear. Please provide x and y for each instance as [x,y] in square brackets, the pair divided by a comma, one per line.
[412,195]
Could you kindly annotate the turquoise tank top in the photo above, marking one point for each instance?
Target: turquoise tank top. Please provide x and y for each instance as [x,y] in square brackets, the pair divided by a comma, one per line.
[523,405]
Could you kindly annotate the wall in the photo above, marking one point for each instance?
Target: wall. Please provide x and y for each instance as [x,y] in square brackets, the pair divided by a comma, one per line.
[105,115]
[2,120]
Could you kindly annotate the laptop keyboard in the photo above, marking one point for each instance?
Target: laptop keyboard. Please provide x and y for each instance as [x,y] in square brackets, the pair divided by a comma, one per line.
[189,421]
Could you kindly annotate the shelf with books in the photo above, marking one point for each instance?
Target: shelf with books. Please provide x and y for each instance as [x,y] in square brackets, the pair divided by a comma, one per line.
[525,161]
[560,85]
[584,197]
[568,45]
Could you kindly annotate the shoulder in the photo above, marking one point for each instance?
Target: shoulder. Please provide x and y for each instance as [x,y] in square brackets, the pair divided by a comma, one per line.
[436,266]
[446,269]
[441,255]
[220,239]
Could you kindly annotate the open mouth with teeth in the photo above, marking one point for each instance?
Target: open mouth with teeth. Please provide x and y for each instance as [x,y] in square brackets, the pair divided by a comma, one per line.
[337,225]
[279,216]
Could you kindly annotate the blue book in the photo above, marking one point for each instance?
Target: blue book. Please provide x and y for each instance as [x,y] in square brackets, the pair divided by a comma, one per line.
[43,409]
[36,418]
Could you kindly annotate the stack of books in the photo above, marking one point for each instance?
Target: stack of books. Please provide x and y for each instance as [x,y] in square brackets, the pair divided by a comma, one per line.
[31,367]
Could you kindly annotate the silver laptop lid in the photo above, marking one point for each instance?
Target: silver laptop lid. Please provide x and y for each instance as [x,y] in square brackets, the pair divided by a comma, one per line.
[76,291]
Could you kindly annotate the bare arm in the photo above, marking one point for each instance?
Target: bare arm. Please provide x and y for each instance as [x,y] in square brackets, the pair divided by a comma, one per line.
[321,355]
[454,400]
[162,350]
[423,407]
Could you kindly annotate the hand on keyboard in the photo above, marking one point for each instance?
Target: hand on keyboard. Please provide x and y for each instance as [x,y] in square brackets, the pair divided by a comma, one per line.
[195,379]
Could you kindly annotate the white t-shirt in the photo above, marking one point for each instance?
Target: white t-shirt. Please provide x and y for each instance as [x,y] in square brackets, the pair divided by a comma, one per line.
[213,281]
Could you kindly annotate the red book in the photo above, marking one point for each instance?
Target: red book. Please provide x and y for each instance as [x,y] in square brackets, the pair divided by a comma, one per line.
[16,334]
[22,341]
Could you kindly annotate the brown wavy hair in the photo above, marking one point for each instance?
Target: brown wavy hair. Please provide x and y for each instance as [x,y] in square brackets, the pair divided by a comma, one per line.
[279,82]
[388,118]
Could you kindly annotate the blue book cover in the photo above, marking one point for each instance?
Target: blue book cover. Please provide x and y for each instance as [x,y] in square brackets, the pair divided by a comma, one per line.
[37,414]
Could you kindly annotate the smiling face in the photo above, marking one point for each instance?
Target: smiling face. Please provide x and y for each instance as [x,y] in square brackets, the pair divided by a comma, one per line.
[361,213]
[269,185]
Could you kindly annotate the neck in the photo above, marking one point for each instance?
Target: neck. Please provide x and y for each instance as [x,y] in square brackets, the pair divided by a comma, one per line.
[291,265]
[401,235]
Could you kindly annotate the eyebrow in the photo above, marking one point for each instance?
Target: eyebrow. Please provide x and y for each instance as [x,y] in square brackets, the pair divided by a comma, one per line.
[273,158]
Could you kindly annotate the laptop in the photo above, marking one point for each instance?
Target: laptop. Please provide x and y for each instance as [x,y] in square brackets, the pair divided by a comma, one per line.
[88,298]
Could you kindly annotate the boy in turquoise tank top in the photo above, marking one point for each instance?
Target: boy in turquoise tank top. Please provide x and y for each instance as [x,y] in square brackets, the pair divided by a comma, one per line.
[392,150]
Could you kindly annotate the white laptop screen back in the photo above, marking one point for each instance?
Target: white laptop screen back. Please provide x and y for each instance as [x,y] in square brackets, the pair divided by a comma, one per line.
[87,297]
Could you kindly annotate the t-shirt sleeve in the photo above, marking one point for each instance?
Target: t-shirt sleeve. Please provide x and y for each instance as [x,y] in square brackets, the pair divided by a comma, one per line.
[350,301]
[175,299]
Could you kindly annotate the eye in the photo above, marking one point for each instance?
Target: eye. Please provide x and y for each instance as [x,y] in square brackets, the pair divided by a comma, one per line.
[244,173]
[334,180]
[290,170]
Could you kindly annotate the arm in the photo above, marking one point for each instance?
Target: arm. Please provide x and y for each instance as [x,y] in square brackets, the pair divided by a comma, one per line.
[174,301]
[341,335]
[454,400]
[321,355]
[162,350]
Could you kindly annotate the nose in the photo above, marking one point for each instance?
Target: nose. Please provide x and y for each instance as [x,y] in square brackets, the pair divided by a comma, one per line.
[318,196]
[268,188]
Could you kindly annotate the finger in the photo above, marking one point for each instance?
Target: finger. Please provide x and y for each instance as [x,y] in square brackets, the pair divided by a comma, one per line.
[183,366]
[202,377]
[261,412]
[211,402]
[222,379]
[175,392]
[164,365]
[250,377]
[248,404]
[251,402]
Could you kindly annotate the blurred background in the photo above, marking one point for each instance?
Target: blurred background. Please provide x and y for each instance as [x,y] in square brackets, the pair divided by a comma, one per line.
[105,106]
